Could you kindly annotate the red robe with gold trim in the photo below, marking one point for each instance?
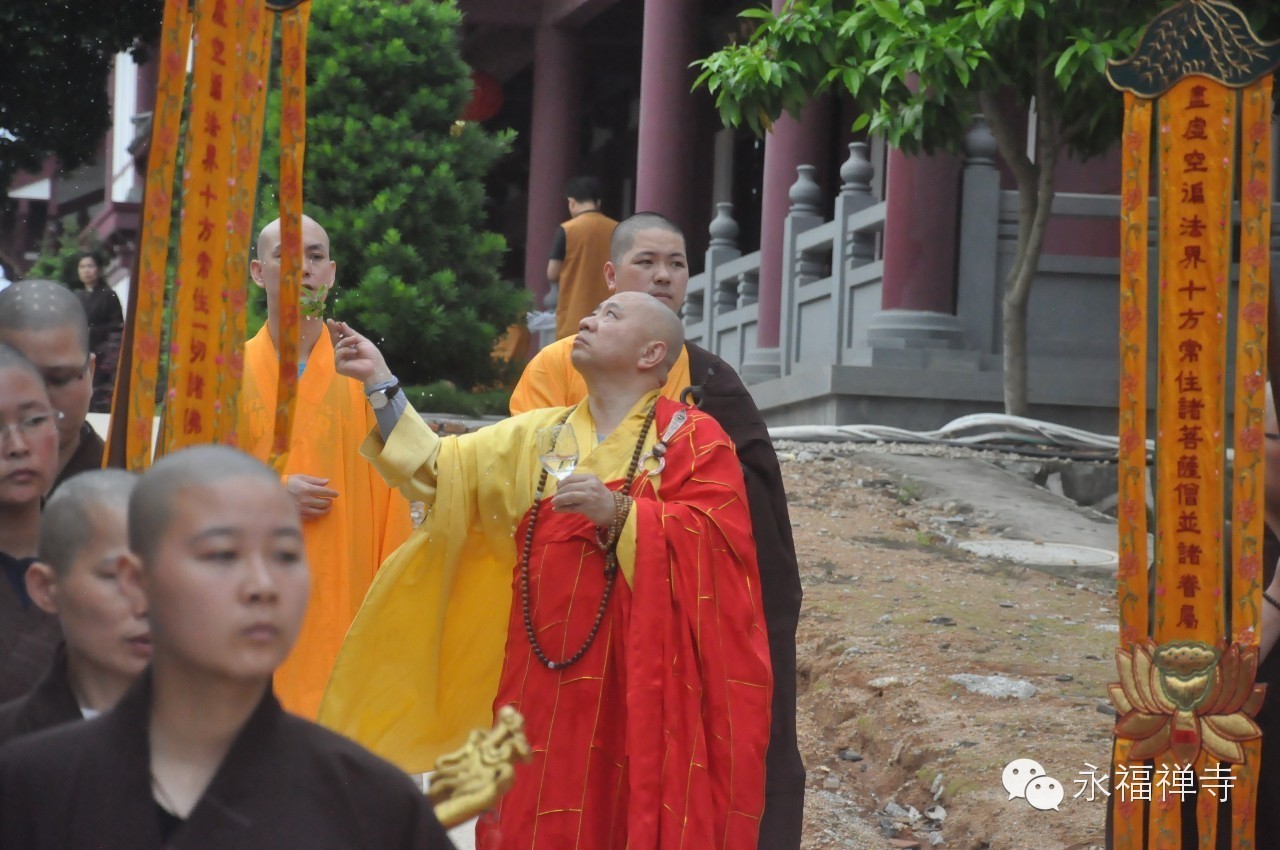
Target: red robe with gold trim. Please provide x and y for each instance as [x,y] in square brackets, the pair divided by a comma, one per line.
[656,738]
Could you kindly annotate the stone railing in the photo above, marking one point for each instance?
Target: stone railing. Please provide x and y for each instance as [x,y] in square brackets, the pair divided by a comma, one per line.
[831,275]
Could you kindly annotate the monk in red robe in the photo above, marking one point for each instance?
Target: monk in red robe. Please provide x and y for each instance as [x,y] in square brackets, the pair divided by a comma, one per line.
[629,632]
[648,254]
[351,519]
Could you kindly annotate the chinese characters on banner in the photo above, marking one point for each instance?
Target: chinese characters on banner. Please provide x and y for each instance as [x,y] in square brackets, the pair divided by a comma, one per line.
[253,53]
[1197,128]
[196,356]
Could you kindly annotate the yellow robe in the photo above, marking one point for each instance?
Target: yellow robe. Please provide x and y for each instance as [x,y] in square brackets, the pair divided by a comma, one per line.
[366,523]
[551,381]
[421,664]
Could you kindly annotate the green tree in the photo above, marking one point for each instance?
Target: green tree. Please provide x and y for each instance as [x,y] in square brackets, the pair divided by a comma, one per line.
[56,56]
[917,71]
[400,186]
[61,262]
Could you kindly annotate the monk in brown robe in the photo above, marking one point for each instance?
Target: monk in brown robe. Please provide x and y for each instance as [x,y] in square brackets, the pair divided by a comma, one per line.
[648,255]
[199,753]
[47,323]
[28,465]
[77,578]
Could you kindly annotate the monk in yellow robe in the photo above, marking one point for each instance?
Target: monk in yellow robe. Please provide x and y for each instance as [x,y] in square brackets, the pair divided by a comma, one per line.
[619,609]
[351,519]
[647,254]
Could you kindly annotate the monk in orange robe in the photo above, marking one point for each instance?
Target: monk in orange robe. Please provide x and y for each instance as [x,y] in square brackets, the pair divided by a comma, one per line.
[619,609]
[351,519]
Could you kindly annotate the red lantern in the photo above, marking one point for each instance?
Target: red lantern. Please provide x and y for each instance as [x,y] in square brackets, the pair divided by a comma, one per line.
[486,97]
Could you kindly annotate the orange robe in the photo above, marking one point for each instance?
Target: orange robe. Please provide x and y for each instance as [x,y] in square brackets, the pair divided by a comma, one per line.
[582,283]
[656,738]
[368,519]
[551,381]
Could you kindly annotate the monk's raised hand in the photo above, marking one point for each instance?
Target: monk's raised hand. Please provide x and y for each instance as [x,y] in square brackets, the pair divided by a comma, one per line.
[586,495]
[314,499]
[355,356]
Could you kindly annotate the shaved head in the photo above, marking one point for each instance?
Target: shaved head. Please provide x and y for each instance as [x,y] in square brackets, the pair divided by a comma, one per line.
[661,324]
[68,522]
[41,305]
[151,505]
[270,235]
[12,358]
[624,235]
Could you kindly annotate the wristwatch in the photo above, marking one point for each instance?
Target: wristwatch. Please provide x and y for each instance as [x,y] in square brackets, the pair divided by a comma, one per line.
[382,396]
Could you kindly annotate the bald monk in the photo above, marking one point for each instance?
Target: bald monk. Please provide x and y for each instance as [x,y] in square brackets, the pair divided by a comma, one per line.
[198,753]
[28,465]
[351,519]
[46,322]
[83,541]
[648,255]
[618,610]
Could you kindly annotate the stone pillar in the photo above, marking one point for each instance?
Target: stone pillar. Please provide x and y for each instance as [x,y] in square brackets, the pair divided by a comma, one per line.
[803,213]
[702,306]
[979,286]
[664,155]
[553,142]
[916,326]
[919,232]
[789,145]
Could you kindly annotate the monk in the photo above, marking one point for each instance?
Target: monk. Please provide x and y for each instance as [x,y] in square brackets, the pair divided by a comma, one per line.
[47,323]
[198,753]
[351,520]
[618,609]
[83,541]
[28,465]
[648,255]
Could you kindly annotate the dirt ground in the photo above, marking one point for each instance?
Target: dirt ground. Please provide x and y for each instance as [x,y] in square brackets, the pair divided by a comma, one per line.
[891,610]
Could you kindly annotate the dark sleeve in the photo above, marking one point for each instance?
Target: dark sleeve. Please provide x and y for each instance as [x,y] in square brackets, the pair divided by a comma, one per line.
[557,247]
[115,315]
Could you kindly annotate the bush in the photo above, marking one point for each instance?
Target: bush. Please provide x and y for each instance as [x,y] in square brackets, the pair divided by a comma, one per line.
[399,187]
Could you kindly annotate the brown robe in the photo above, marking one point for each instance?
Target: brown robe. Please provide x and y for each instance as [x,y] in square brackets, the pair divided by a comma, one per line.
[719,391]
[51,703]
[87,456]
[285,782]
[28,636]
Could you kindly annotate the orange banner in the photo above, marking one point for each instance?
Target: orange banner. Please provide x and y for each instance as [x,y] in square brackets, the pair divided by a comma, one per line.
[199,309]
[1251,360]
[153,259]
[253,55]
[1249,464]
[1132,518]
[293,107]
[1197,133]
[1131,578]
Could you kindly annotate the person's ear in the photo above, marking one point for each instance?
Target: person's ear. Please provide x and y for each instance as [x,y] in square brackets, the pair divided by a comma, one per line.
[93,366]
[653,354]
[133,583]
[255,272]
[42,586]
[611,276]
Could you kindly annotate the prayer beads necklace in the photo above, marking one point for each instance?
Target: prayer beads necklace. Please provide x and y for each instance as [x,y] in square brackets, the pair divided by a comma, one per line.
[610,559]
